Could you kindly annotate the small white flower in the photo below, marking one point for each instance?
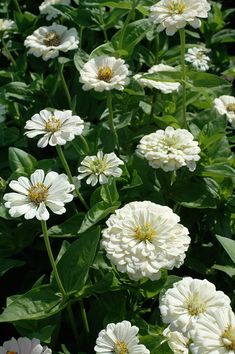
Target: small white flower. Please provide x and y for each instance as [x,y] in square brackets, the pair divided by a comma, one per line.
[120,338]
[2,112]
[6,25]
[33,196]
[48,41]
[57,127]
[100,167]
[46,7]
[189,299]
[175,14]
[23,345]
[178,343]
[196,56]
[143,237]
[170,149]
[104,74]
[215,333]
[226,105]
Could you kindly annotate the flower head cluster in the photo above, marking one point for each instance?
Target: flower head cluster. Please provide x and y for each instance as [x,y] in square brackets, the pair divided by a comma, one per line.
[170,149]
[196,56]
[178,343]
[33,196]
[226,105]
[6,25]
[57,127]
[23,345]
[104,74]
[46,7]
[99,167]
[172,15]
[143,237]
[47,42]
[120,338]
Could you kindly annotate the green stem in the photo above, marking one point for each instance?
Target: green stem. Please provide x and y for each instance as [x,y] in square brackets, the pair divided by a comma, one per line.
[72,323]
[8,53]
[17,6]
[81,36]
[67,170]
[103,26]
[66,90]
[183,70]
[84,317]
[84,143]
[156,48]
[127,21]
[111,123]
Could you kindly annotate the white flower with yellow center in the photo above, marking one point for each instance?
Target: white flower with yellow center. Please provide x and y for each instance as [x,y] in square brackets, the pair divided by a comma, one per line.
[57,127]
[189,299]
[46,7]
[226,105]
[196,56]
[170,149]
[23,345]
[178,343]
[6,25]
[33,196]
[120,338]
[47,42]
[104,74]
[143,237]
[100,167]
[172,15]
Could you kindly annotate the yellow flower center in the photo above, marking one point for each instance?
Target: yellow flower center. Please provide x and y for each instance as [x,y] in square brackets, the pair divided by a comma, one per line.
[231,107]
[145,232]
[228,338]
[120,348]
[98,166]
[53,124]
[105,73]
[195,305]
[38,193]
[52,39]
[177,7]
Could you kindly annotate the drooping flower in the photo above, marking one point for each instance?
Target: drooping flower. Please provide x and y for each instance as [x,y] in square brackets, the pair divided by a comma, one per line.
[57,127]
[183,305]
[178,343]
[33,196]
[143,237]
[170,149]
[23,345]
[99,167]
[120,338]
[46,7]
[172,15]
[196,56]
[104,74]
[2,112]
[48,41]
[226,105]
[6,25]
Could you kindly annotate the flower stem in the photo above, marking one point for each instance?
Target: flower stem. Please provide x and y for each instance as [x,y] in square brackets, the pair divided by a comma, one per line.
[17,6]
[84,317]
[66,90]
[111,123]
[67,170]
[183,70]
[127,21]
[10,57]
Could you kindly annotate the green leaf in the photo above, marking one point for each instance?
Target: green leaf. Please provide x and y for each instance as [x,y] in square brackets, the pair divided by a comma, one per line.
[230,271]
[69,228]
[8,135]
[224,36]
[218,170]
[21,160]
[7,264]
[109,192]
[228,245]
[206,80]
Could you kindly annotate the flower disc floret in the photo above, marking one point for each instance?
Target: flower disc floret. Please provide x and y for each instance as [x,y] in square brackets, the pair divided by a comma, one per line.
[23,345]
[226,105]
[143,237]
[46,7]
[196,56]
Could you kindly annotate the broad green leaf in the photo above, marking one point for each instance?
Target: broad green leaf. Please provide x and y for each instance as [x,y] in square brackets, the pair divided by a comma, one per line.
[21,160]
[228,245]
[109,192]
[218,170]
[69,228]
[230,271]
[224,36]
[206,80]
[7,264]
[8,135]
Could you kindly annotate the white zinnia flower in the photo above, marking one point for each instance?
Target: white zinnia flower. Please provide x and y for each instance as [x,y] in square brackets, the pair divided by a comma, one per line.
[215,333]
[99,167]
[189,299]
[23,345]
[170,149]
[57,127]
[33,196]
[143,237]
[48,41]
[175,14]
[226,105]
[178,343]
[6,25]
[120,338]
[104,74]
[2,112]
[163,86]
[196,56]
[46,7]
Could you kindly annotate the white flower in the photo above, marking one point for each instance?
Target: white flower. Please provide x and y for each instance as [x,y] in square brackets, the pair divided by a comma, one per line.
[196,56]
[48,41]
[189,299]
[226,105]
[177,341]
[6,25]
[46,7]
[100,167]
[120,338]
[2,112]
[33,196]
[23,345]
[104,74]
[170,149]
[57,127]
[175,14]
[143,237]
[215,333]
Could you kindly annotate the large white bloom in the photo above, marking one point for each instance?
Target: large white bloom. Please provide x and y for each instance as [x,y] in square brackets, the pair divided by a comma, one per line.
[189,299]
[196,56]
[178,343]
[57,127]
[33,196]
[6,25]
[23,345]
[46,7]
[99,167]
[175,14]
[143,237]
[104,74]
[226,105]
[48,41]
[215,333]
[120,338]
[163,86]
[170,149]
